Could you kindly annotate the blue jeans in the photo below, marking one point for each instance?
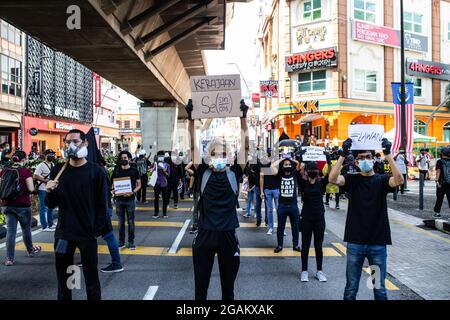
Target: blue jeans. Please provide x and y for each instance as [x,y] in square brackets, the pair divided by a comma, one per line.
[45,214]
[125,209]
[251,197]
[258,204]
[288,210]
[113,247]
[271,196]
[23,216]
[377,256]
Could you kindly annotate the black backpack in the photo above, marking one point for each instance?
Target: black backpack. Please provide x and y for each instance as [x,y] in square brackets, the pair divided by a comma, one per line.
[9,184]
[446,171]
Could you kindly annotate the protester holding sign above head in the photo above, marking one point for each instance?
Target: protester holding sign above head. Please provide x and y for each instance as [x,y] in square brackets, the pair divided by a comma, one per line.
[367,230]
[313,187]
[162,184]
[285,172]
[218,216]
[126,183]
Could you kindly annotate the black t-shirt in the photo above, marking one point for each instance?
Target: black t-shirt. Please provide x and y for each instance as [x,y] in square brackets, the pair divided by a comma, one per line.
[82,199]
[271,181]
[133,173]
[288,186]
[218,201]
[312,196]
[250,172]
[367,217]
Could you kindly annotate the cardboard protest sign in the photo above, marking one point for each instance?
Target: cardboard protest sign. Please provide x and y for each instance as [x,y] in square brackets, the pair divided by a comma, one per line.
[122,186]
[366,136]
[216,96]
[314,154]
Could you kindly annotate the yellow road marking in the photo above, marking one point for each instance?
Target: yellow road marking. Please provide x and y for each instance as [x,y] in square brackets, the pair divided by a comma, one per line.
[431,234]
[187,252]
[340,247]
[151,209]
[253,225]
[153,224]
[185,200]
[389,285]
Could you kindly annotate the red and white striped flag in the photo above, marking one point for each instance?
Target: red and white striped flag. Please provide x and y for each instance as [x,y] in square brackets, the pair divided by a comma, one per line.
[409,112]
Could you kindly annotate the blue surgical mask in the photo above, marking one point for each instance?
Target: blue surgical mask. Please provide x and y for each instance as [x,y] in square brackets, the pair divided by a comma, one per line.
[365,165]
[219,163]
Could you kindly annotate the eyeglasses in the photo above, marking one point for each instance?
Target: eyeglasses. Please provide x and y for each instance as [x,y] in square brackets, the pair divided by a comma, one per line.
[367,157]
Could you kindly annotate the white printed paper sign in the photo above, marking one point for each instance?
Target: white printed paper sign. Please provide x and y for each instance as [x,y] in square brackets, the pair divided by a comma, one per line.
[314,154]
[122,186]
[216,96]
[366,136]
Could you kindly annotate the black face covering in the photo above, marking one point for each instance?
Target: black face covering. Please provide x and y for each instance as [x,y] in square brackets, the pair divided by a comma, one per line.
[124,162]
[51,158]
[288,170]
[313,174]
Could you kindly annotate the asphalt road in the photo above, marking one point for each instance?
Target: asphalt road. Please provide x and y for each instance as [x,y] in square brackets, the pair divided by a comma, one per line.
[154,273]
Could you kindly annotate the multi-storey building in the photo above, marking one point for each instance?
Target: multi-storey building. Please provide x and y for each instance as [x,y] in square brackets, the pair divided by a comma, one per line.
[128,120]
[11,83]
[335,60]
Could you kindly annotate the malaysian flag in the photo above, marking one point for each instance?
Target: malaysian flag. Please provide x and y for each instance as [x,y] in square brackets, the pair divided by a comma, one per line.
[409,105]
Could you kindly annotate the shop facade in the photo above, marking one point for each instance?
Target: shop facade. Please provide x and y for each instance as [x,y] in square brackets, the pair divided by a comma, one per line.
[340,60]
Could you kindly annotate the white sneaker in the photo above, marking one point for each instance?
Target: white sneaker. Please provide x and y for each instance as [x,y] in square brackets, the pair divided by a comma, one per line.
[304,276]
[285,234]
[270,231]
[47,230]
[321,276]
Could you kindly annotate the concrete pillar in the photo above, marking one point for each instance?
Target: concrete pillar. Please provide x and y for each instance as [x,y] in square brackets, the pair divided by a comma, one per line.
[159,125]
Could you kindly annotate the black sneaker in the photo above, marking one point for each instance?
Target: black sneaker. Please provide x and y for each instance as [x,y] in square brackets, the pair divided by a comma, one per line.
[297,248]
[326,203]
[437,215]
[121,245]
[165,216]
[337,207]
[155,216]
[111,269]
[278,249]
[175,206]
[258,224]
[131,246]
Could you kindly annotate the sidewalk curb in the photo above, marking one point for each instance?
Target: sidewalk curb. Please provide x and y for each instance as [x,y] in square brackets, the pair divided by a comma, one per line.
[439,224]
[442,225]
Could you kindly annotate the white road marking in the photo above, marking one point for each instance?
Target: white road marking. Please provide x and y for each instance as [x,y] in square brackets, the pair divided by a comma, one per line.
[150,293]
[18,239]
[176,243]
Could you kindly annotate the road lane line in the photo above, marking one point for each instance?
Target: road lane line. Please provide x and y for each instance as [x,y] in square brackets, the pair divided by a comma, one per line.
[150,293]
[153,224]
[18,239]
[176,243]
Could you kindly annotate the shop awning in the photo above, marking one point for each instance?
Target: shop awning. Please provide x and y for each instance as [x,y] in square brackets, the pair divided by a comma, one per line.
[308,118]
[417,137]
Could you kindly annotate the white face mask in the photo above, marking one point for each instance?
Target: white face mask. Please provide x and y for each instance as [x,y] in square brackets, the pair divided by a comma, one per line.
[72,151]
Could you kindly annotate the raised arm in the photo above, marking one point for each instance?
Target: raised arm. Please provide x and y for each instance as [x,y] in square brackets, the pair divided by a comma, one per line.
[243,155]
[397,177]
[335,176]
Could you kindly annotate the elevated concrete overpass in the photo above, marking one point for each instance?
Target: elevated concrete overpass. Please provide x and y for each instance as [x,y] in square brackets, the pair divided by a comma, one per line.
[147,47]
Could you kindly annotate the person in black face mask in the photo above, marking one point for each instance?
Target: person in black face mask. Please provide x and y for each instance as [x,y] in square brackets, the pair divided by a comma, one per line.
[285,171]
[126,201]
[313,187]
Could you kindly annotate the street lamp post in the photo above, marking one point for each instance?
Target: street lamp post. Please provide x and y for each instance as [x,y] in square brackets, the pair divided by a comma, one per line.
[245,82]
[402,72]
